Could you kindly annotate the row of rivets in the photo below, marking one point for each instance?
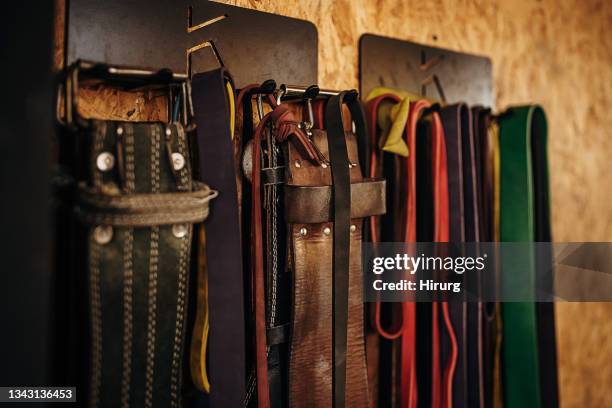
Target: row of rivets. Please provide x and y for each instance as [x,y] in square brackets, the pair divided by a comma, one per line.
[298,164]
[103,234]
[105,160]
[326,230]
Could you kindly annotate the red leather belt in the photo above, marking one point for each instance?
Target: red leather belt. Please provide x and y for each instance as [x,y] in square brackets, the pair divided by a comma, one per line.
[405,318]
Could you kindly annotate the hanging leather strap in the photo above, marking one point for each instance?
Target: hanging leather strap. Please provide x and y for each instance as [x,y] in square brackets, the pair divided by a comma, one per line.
[441,383]
[455,120]
[520,346]
[524,218]
[226,343]
[338,157]
[472,215]
[547,348]
[486,136]
[441,390]
[263,391]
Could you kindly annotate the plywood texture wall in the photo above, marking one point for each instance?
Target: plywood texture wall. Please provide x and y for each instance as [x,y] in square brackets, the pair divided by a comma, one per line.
[556,53]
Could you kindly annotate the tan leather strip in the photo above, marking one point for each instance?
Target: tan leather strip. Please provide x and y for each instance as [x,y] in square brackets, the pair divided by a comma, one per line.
[310,366]
[312,204]
[144,209]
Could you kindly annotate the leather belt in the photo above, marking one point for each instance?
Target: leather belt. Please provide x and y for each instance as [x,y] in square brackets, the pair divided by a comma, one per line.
[226,343]
[313,256]
[441,383]
[524,218]
[138,269]
[487,140]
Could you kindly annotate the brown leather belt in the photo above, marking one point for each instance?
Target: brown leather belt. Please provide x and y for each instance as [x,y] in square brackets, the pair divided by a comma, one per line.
[327,351]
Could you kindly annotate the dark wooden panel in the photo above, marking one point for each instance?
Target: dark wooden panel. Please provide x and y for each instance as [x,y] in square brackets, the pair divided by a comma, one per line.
[399,64]
[255,46]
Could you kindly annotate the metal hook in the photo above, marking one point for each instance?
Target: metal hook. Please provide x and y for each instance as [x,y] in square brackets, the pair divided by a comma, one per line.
[191,28]
[427,65]
[427,81]
[198,47]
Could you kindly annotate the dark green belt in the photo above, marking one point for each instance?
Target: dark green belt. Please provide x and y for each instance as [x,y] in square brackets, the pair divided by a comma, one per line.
[529,369]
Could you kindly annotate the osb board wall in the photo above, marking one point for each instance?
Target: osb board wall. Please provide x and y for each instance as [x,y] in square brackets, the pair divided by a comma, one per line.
[558,54]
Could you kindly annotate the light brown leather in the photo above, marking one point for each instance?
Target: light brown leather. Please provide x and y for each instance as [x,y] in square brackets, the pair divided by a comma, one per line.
[310,367]
[313,204]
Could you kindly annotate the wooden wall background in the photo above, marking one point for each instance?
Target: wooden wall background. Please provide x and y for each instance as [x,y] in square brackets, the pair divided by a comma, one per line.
[556,53]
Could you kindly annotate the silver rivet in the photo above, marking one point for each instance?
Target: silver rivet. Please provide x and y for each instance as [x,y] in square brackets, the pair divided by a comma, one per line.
[168,132]
[103,234]
[178,161]
[353,228]
[324,165]
[298,164]
[351,165]
[119,130]
[303,231]
[105,161]
[327,230]
[179,230]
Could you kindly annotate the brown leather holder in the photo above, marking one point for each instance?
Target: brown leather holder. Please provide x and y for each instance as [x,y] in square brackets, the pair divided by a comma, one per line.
[313,204]
[308,212]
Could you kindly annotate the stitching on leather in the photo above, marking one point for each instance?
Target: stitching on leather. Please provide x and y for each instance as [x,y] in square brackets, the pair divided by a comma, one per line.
[182,148]
[153,266]
[96,321]
[185,177]
[99,136]
[144,220]
[130,176]
[128,277]
[127,320]
[180,316]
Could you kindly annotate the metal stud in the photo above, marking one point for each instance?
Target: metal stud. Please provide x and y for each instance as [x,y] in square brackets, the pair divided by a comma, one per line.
[178,161]
[327,230]
[103,234]
[168,131]
[179,230]
[303,232]
[353,228]
[119,130]
[298,163]
[324,165]
[105,161]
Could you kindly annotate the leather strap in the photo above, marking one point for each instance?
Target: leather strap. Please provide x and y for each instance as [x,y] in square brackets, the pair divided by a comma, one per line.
[226,343]
[520,346]
[488,146]
[338,157]
[138,275]
[313,204]
[441,390]
[547,348]
[474,332]
[529,347]
[263,391]
[456,123]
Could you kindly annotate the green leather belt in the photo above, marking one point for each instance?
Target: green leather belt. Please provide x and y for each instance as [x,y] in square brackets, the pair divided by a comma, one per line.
[523,196]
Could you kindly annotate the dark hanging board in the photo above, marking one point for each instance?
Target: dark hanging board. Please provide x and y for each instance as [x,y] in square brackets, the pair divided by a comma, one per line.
[255,46]
[405,65]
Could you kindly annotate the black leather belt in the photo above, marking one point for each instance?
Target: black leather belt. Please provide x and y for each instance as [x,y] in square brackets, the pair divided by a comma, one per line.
[226,345]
